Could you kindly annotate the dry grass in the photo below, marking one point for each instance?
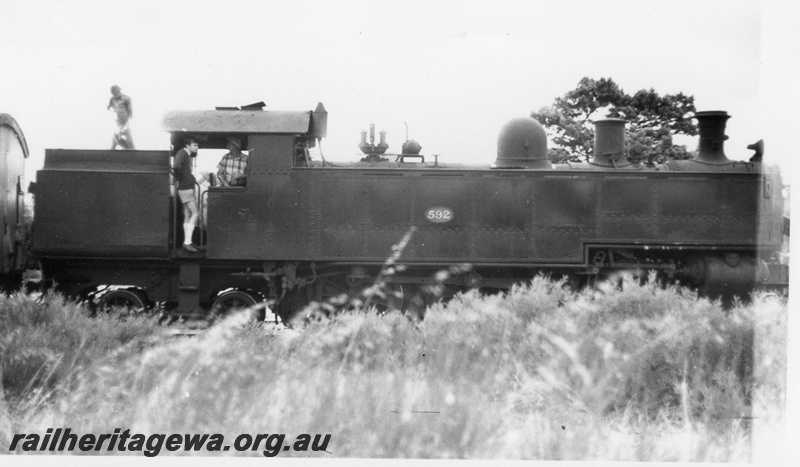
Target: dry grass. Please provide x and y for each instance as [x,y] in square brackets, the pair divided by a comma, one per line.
[643,373]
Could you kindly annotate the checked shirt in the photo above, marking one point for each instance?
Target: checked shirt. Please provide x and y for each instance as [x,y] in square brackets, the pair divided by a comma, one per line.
[229,167]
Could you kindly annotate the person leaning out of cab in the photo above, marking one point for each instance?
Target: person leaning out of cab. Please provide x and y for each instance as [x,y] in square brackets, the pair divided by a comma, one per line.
[231,169]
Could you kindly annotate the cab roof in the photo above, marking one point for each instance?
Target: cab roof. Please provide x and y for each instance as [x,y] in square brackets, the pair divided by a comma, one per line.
[237,121]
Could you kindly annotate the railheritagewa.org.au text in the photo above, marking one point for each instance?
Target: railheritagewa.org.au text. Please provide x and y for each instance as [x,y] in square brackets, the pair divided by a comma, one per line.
[64,440]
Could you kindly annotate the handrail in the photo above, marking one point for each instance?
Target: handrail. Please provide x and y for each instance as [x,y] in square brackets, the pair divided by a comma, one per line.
[201,218]
[175,207]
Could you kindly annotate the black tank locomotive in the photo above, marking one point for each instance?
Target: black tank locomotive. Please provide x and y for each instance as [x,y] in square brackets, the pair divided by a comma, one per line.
[303,230]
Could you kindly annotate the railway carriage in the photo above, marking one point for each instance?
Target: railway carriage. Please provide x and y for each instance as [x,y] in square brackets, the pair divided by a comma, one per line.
[13,152]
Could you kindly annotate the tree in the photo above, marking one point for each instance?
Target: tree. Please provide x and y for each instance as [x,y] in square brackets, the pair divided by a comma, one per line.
[652,121]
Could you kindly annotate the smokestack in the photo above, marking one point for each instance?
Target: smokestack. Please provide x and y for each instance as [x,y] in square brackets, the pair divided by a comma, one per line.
[711,125]
[609,141]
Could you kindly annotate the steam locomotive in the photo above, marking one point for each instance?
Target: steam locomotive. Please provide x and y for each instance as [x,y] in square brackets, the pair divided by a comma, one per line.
[107,223]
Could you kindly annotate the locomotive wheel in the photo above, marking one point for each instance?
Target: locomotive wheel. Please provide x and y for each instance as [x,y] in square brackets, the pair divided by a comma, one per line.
[393,299]
[233,300]
[422,298]
[127,300]
[334,291]
[330,293]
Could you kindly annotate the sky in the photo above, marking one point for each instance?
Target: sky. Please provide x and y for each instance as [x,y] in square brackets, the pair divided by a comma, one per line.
[454,72]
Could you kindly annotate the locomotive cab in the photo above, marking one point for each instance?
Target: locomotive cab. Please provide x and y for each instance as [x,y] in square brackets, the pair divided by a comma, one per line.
[274,142]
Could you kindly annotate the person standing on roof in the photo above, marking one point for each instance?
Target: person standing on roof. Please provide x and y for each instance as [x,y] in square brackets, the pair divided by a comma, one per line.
[182,170]
[121,105]
[231,169]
